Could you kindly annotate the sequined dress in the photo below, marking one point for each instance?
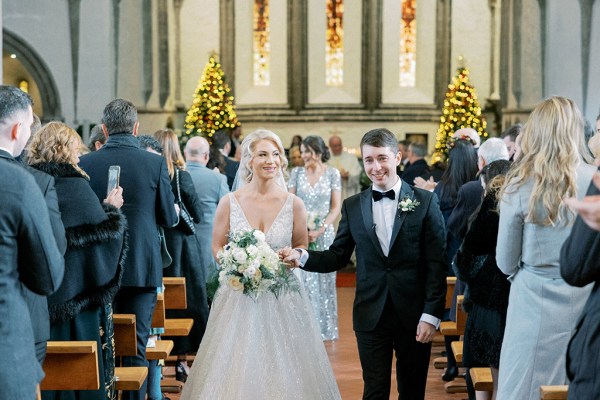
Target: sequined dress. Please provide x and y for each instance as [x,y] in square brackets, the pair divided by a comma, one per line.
[320,287]
[269,348]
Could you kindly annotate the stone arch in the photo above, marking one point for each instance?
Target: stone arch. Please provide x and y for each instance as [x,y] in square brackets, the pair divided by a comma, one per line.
[40,72]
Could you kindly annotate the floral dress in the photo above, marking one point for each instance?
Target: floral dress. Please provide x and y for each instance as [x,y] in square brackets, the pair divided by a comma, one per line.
[320,287]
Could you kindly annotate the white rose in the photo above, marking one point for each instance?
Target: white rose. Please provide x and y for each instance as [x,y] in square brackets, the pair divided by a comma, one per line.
[240,255]
[250,272]
[252,250]
[259,236]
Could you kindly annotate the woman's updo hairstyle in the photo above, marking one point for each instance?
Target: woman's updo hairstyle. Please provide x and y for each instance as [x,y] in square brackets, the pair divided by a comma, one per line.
[316,144]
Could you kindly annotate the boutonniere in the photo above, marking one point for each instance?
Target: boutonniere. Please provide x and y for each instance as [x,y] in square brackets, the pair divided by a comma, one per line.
[407,204]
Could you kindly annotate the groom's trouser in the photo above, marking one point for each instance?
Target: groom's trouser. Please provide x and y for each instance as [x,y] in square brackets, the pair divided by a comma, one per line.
[376,349]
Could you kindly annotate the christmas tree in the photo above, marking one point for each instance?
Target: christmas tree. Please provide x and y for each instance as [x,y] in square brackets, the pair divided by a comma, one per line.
[212,108]
[461,110]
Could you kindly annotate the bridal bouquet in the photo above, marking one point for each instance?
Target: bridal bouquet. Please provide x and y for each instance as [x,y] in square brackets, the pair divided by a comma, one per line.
[247,263]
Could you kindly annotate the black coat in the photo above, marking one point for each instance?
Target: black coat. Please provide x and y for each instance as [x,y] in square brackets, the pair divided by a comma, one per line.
[28,255]
[149,202]
[97,245]
[414,170]
[231,168]
[580,266]
[413,274]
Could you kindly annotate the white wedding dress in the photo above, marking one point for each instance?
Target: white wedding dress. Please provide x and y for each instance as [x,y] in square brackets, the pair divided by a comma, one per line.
[263,349]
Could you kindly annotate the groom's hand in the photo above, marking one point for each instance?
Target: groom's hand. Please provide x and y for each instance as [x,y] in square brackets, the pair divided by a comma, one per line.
[425,332]
[290,256]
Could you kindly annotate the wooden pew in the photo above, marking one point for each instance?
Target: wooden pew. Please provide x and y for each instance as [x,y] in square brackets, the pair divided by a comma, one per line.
[125,338]
[175,293]
[451,328]
[130,378]
[158,318]
[457,349]
[71,365]
[450,284]
[482,379]
[441,362]
[559,392]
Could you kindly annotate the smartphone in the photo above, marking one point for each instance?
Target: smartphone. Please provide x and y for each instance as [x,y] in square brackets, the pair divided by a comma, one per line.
[114,172]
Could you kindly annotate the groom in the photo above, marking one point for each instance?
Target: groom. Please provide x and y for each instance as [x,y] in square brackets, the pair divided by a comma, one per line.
[401,273]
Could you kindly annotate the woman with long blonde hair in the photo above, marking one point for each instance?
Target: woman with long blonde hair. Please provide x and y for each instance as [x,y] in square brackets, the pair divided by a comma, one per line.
[534,223]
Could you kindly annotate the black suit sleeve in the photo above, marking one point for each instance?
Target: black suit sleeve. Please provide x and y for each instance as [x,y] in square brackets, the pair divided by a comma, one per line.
[339,253]
[41,265]
[189,196]
[434,255]
[165,200]
[580,254]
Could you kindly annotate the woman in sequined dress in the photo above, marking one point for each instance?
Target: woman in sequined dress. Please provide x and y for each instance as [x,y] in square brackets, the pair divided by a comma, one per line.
[320,187]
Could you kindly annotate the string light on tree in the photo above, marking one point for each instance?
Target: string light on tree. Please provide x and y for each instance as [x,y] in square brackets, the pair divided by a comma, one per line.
[212,107]
[461,110]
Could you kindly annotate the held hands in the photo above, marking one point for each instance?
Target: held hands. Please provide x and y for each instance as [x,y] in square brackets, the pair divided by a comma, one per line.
[115,197]
[425,332]
[588,208]
[290,256]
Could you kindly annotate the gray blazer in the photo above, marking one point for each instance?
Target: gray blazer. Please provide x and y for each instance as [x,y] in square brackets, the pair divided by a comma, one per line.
[28,254]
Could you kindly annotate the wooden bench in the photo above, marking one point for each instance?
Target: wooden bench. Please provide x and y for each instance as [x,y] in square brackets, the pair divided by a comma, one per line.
[559,392]
[482,379]
[450,284]
[130,378]
[457,349]
[158,318]
[160,351]
[441,362]
[71,365]
[125,337]
[451,328]
[178,326]
[175,293]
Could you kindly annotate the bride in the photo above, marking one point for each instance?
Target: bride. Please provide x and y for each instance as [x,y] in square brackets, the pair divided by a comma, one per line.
[269,347]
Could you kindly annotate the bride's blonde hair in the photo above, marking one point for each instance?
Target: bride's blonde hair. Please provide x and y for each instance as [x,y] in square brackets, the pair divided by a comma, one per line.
[552,146]
[248,147]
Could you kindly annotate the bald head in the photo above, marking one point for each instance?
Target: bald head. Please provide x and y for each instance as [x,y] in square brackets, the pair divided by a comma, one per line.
[197,149]
[335,144]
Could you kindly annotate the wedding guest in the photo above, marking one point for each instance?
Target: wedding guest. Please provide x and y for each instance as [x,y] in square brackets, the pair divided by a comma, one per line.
[534,223]
[222,143]
[417,166]
[488,288]
[594,146]
[185,252]
[580,266]
[398,234]
[295,157]
[320,187]
[29,252]
[96,247]
[403,149]
[97,138]
[462,168]
[510,137]
[348,166]
[149,203]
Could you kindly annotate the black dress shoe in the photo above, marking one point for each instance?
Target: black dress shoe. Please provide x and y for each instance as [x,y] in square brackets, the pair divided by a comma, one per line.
[450,374]
[180,373]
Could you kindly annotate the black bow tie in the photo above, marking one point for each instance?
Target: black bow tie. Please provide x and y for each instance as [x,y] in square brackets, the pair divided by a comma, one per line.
[390,194]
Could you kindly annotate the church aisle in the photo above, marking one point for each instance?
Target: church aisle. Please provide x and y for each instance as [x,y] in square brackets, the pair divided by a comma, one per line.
[343,354]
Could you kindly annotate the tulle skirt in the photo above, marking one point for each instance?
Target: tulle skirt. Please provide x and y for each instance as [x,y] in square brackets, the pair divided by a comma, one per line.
[268,348]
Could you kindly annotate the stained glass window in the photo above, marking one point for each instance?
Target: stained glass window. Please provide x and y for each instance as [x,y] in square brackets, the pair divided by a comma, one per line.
[334,47]
[262,43]
[408,44]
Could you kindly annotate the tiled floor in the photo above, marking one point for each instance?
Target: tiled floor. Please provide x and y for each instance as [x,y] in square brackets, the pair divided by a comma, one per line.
[343,354]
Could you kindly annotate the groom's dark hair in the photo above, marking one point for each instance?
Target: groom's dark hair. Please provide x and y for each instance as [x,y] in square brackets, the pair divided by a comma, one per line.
[380,137]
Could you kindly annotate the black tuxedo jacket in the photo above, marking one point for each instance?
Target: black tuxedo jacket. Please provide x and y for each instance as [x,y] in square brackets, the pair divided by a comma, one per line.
[148,199]
[414,272]
[411,171]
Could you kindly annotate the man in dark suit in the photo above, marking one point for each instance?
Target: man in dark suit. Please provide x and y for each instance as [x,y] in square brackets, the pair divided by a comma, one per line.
[398,233]
[580,266]
[149,202]
[29,254]
[417,166]
[222,142]
[36,304]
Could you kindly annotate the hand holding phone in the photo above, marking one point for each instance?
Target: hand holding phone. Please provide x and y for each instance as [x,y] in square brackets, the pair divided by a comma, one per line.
[114,173]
